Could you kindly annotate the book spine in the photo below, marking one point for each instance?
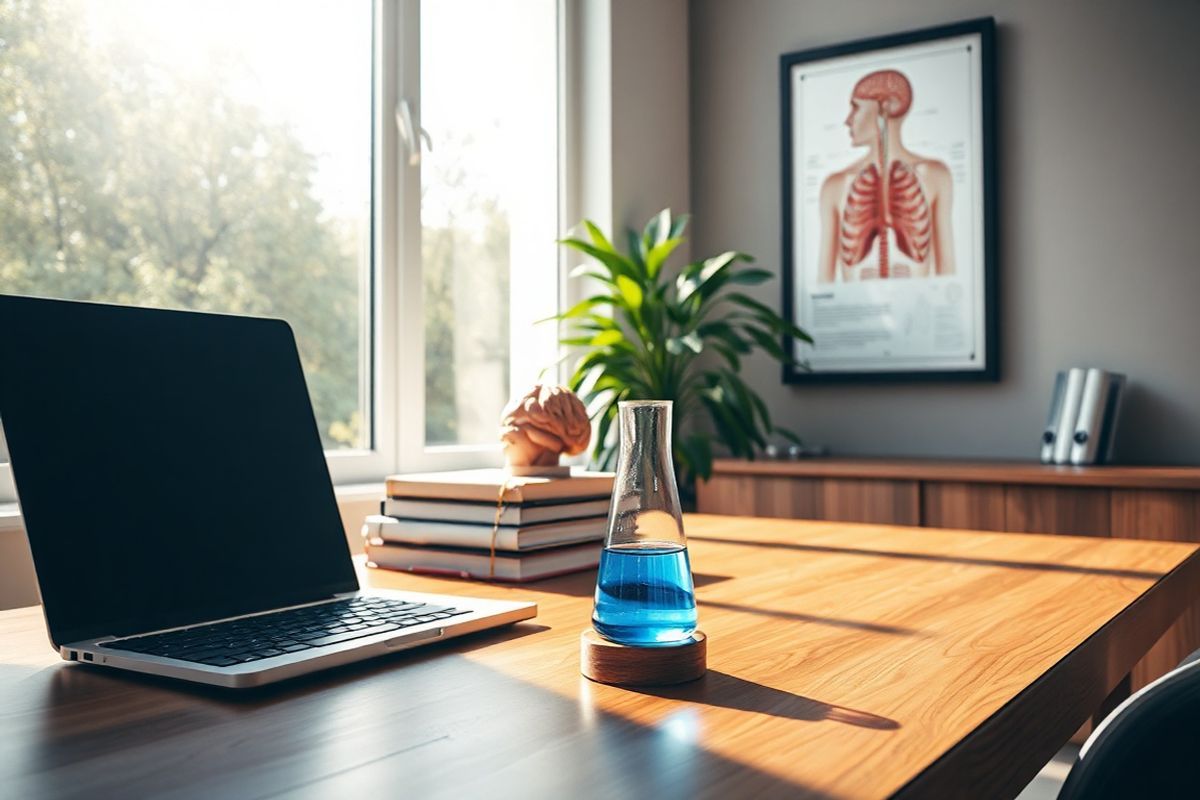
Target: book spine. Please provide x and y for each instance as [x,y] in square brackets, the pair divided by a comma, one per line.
[1086,437]
[1053,417]
[1112,412]
[383,529]
[511,515]
[1070,413]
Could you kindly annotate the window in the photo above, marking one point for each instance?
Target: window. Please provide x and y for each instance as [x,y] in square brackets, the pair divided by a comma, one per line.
[382,175]
[488,207]
[8,492]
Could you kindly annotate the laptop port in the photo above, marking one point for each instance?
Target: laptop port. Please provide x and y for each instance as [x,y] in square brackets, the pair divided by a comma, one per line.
[87,657]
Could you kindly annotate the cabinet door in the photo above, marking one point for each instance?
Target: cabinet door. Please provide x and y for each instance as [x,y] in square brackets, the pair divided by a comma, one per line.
[1054,509]
[880,501]
[759,496]
[971,506]
[1171,516]
[835,499]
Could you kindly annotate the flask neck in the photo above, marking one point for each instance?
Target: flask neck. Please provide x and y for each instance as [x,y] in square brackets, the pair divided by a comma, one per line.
[645,511]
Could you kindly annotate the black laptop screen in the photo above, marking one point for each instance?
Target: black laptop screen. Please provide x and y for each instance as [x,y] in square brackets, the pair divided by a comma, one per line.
[168,466]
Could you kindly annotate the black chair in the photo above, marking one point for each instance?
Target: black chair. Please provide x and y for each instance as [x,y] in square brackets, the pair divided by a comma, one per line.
[1148,747]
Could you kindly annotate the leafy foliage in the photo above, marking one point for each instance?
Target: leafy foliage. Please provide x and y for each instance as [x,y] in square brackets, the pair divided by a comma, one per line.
[650,336]
[125,180]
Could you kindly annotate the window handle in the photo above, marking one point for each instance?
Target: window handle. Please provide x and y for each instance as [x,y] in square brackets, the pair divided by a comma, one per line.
[411,134]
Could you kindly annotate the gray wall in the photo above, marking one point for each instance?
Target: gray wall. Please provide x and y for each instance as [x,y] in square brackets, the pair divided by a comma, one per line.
[1099,166]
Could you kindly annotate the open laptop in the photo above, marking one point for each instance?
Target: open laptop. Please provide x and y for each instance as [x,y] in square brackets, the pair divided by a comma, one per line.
[178,504]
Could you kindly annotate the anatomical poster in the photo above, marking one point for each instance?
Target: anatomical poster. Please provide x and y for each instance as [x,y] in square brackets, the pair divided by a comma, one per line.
[886,200]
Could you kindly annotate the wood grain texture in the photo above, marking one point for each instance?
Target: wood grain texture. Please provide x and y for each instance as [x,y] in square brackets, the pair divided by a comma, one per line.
[1041,509]
[608,662]
[974,506]
[1162,516]
[1015,472]
[767,496]
[885,502]
[844,661]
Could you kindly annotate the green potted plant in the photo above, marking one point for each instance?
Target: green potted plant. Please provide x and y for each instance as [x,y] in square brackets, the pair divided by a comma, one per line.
[648,335]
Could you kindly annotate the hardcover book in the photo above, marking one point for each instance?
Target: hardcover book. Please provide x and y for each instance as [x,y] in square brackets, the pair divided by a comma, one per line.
[484,513]
[480,563]
[382,529]
[483,485]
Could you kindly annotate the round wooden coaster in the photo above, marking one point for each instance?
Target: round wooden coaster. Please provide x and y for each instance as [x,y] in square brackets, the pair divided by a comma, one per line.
[624,665]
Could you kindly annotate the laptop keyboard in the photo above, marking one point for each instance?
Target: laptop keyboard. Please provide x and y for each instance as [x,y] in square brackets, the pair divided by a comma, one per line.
[240,641]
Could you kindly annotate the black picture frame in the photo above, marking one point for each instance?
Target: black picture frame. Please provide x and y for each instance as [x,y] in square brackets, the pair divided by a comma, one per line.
[985,29]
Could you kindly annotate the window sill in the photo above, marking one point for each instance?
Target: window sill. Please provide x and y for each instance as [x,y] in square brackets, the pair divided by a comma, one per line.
[10,517]
[355,501]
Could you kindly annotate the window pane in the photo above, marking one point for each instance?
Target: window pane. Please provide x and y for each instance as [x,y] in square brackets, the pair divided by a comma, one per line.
[489,196]
[212,156]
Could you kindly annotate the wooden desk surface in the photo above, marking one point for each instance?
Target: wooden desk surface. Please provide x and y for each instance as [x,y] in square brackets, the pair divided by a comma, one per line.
[845,661]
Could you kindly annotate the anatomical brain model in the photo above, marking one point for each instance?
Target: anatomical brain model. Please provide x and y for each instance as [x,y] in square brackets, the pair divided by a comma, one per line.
[536,429]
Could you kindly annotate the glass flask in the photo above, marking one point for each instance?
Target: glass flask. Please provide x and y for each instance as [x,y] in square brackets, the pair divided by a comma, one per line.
[644,592]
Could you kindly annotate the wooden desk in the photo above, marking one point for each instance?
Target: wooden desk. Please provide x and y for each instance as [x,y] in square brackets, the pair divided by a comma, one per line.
[846,661]
[1124,502]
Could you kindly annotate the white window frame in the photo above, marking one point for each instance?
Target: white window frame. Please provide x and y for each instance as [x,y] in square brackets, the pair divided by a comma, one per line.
[392,378]
[8,490]
[398,388]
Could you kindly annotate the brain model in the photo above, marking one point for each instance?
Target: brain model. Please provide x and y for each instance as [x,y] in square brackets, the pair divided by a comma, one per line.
[545,423]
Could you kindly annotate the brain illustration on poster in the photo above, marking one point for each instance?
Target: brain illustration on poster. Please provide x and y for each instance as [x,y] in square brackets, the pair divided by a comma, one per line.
[886,193]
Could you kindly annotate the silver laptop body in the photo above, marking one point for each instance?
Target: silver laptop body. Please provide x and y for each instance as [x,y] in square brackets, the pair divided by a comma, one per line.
[171,475]
[483,614]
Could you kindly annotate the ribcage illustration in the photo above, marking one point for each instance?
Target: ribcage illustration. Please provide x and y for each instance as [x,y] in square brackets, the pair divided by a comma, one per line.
[872,207]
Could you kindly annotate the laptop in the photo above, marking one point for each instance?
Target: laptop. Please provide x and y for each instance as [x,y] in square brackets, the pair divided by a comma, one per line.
[178,504]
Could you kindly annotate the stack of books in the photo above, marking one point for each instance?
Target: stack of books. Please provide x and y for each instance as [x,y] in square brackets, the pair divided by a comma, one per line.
[490,525]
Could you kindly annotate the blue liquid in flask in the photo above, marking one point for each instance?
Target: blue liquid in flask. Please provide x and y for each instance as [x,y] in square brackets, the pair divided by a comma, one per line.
[644,595]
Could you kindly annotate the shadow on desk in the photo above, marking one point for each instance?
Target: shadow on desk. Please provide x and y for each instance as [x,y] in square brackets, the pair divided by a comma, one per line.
[979,562]
[729,691]
[432,723]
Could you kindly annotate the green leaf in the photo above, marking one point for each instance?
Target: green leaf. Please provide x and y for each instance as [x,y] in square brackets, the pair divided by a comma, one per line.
[607,338]
[582,307]
[637,251]
[729,355]
[767,315]
[766,342]
[749,302]
[751,277]
[701,279]
[659,254]
[716,403]
[678,226]
[789,435]
[726,333]
[601,322]
[598,238]
[589,270]
[631,291]
[693,342]
[616,263]
[702,462]
[601,450]
[678,345]
[658,229]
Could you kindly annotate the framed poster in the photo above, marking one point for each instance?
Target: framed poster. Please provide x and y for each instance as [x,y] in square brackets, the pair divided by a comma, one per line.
[889,203]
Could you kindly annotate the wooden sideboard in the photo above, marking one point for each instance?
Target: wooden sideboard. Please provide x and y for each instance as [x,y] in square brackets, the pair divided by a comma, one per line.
[1160,503]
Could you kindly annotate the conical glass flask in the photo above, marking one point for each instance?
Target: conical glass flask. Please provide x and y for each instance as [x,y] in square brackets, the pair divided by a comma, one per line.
[644,592]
